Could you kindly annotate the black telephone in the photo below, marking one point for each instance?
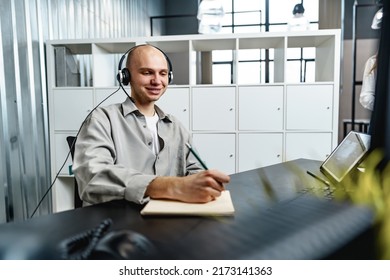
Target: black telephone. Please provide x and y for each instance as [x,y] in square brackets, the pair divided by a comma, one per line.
[100,243]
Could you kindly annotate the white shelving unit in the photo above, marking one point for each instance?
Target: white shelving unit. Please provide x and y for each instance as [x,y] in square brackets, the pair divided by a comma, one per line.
[235,126]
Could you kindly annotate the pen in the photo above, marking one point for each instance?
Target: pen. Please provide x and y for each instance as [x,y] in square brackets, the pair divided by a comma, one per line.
[197,157]
[318,178]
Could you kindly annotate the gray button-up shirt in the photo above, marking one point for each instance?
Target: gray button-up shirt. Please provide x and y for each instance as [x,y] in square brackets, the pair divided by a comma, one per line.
[113,154]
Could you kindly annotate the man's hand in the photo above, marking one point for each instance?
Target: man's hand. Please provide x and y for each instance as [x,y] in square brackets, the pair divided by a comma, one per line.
[197,188]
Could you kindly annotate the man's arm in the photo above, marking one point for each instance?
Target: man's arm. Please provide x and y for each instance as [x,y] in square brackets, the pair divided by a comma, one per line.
[101,176]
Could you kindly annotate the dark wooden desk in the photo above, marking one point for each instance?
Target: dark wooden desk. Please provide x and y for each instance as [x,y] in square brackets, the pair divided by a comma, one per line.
[271,222]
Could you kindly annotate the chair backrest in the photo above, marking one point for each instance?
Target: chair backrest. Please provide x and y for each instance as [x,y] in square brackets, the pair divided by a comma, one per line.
[77,201]
[71,141]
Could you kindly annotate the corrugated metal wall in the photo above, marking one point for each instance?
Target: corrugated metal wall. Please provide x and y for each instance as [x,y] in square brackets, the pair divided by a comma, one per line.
[25,26]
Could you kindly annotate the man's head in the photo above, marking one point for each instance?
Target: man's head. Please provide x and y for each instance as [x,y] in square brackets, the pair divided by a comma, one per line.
[149,73]
[123,75]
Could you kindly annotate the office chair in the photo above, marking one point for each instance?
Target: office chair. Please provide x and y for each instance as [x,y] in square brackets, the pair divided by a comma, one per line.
[77,200]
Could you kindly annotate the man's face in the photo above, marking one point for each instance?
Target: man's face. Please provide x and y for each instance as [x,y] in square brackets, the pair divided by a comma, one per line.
[149,74]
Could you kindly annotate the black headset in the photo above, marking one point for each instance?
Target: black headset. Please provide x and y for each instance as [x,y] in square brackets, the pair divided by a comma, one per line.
[123,75]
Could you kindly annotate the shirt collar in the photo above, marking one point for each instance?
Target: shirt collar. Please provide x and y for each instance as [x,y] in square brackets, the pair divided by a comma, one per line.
[129,107]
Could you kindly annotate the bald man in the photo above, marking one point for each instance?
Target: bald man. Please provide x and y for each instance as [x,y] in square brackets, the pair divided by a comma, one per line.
[135,151]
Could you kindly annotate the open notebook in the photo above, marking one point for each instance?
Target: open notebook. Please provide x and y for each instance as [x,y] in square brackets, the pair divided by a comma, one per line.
[222,206]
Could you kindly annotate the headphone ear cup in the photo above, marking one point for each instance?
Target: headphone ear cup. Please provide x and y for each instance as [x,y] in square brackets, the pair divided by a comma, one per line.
[125,76]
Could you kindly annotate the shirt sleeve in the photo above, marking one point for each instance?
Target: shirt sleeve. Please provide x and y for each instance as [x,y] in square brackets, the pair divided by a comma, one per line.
[98,176]
[367,94]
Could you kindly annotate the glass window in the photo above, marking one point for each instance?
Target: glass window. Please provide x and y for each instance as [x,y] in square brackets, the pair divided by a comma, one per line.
[293,53]
[309,52]
[311,11]
[227,5]
[249,72]
[277,28]
[271,53]
[248,16]
[253,54]
[280,11]
[252,12]
[293,71]
[222,74]
[310,71]
[227,20]
[223,55]
[247,29]
[227,30]
[271,73]
[247,5]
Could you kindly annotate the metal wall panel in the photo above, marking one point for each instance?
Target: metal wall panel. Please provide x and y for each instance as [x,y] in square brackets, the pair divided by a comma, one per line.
[25,25]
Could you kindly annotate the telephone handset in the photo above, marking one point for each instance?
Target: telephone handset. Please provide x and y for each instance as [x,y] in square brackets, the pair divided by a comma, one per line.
[100,243]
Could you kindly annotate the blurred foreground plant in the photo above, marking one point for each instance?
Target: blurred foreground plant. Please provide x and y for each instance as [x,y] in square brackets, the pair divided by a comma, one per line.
[372,188]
